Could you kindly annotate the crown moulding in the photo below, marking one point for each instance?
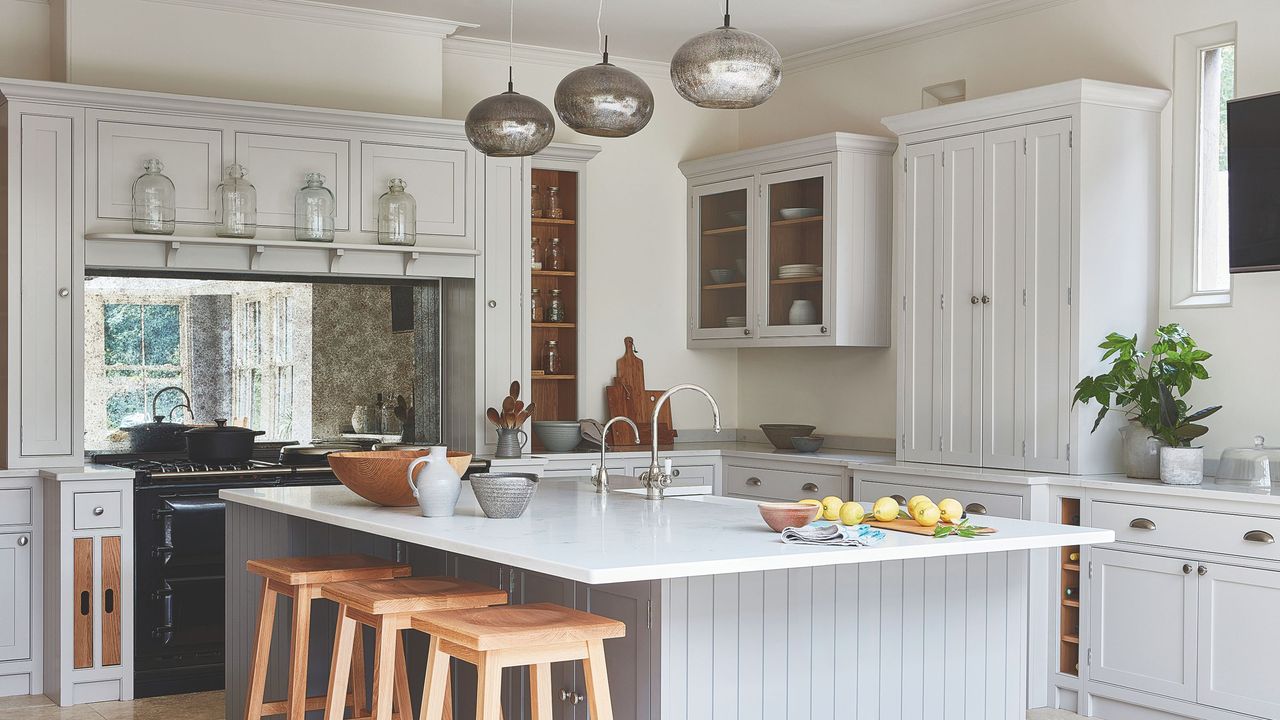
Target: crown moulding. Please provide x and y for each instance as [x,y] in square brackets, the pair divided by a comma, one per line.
[330,14]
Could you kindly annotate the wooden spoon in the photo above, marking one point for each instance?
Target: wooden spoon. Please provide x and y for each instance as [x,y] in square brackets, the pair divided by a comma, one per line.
[508,410]
[524,416]
[515,389]
[493,417]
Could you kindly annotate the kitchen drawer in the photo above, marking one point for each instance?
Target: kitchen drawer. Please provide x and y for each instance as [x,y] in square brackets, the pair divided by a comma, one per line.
[15,506]
[97,510]
[688,475]
[766,484]
[975,502]
[1189,529]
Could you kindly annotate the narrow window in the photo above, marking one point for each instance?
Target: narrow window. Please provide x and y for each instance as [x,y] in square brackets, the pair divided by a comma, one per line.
[1217,86]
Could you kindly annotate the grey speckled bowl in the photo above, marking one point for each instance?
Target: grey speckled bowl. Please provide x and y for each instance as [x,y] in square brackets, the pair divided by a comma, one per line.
[807,444]
[558,435]
[780,434]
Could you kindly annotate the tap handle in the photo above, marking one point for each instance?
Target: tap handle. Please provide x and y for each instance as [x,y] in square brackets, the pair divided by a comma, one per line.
[666,471]
[595,472]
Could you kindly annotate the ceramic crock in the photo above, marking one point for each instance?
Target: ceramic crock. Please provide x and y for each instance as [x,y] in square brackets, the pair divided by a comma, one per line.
[437,486]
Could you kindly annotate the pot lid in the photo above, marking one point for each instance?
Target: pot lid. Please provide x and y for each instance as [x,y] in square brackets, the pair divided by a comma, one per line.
[220,426]
[158,420]
[319,448]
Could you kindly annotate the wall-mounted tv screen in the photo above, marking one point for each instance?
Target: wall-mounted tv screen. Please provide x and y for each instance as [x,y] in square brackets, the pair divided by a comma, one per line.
[1253,159]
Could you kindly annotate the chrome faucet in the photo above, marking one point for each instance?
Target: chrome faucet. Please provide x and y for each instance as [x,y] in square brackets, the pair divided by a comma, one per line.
[657,477]
[600,475]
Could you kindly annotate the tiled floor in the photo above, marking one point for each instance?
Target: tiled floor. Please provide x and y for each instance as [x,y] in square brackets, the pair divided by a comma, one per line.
[207,706]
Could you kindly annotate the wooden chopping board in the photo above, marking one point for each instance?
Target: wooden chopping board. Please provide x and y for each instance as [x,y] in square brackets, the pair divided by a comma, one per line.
[911,526]
[628,397]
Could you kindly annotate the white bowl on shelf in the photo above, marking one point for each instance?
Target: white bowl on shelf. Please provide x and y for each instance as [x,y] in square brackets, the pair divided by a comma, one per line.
[737,217]
[721,276]
[796,213]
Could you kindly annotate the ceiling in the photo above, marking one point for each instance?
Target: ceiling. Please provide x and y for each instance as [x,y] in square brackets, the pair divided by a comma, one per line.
[653,29]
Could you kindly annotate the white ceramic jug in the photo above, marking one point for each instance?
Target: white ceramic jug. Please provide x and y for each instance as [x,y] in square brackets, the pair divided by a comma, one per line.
[438,487]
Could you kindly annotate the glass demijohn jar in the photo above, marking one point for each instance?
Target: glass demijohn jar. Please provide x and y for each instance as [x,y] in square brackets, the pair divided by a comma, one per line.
[553,203]
[535,304]
[535,201]
[535,253]
[555,256]
[397,216]
[551,358]
[555,311]
[237,205]
[154,206]
[314,210]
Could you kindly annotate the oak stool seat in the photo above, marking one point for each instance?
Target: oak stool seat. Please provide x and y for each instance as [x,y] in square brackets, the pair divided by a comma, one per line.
[499,637]
[388,607]
[301,579]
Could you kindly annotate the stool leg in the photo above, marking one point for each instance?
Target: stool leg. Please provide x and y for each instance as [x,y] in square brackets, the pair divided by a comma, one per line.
[540,691]
[261,652]
[344,638]
[384,670]
[404,705]
[435,685]
[299,646]
[599,704]
[489,687]
[359,688]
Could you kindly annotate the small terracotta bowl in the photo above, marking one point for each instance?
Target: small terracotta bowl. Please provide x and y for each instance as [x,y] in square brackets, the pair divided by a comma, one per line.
[780,516]
[382,476]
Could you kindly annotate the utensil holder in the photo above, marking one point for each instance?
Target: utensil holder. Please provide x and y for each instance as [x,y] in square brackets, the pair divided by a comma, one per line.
[511,442]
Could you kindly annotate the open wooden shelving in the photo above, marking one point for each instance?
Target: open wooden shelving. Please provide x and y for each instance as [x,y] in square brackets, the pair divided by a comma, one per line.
[726,230]
[797,221]
[725,286]
[556,396]
[796,281]
[1069,612]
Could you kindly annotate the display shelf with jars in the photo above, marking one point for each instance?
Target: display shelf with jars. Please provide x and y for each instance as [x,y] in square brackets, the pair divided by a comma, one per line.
[554,294]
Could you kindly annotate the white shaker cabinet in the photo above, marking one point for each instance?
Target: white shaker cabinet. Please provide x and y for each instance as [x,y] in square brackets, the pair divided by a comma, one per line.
[437,175]
[15,595]
[1239,632]
[789,245]
[1021,249]
[278,165]
[44,294]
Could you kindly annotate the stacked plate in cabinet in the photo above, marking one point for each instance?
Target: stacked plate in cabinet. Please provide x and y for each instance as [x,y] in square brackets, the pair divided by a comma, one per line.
[798,271]
[735,321]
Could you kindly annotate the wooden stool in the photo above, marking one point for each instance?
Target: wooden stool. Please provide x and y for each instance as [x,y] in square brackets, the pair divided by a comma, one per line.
[388,606]
[500,637]
[301,578]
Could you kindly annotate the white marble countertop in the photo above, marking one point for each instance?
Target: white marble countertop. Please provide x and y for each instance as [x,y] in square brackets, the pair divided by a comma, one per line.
[88,472]
[571,532]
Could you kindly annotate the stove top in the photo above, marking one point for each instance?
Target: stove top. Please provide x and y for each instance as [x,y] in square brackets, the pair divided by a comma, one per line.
[152,469]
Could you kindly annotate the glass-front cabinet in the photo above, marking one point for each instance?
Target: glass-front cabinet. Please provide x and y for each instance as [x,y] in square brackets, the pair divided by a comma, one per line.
[790,245]
[722,229]
[796,250]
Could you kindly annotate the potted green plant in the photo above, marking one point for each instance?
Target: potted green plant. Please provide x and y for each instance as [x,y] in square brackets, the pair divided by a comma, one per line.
[1133,387]
[1181,464]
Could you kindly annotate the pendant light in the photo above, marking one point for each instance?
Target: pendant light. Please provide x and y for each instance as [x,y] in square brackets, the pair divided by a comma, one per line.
[510,124]
[604,100]
[726,68]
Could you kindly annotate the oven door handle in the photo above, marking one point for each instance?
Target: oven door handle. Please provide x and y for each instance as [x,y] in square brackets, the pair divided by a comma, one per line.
[164,632]
[164,552]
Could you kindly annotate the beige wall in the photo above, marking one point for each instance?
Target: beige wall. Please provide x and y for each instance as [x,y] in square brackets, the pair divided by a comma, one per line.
[24,39]
[851,391]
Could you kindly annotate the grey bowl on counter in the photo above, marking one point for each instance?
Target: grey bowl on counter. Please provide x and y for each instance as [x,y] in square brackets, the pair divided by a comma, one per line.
[503,495]
[807,444]
[780,434]
[558,435]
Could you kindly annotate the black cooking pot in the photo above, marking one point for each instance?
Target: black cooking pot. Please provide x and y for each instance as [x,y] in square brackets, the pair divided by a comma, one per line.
[221,444]
[157,437]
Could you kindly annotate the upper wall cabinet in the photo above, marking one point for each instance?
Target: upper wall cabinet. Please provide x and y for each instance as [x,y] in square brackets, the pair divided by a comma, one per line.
[1029,232]
[437,177]
[278,166]
[789,245]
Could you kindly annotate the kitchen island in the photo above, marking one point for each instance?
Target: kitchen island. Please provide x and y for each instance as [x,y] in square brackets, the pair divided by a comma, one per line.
[723,619]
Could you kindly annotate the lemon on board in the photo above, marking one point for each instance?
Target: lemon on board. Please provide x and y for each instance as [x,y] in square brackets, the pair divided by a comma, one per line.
[885,509]
[927,515]
[851,513]
[817,506]
[951,510]
[916,500]
[831,507]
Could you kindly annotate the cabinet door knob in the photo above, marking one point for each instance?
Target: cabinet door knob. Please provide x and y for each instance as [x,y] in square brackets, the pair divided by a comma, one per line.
[976,509]
[1186,569]
[493,303]
[985,300]
[63,292]
[973,300]
[1202,570]
[572,697]
[755,482]
[1259,536]
[809,487]
[1142,524]
[746,331]
[22,541]
[899,499]
[98,511]
[824,329]
[675,473]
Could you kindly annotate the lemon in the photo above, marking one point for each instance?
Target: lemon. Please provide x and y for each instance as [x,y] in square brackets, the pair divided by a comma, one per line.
[831,507]
[927,515]
[951,510]
[885,509]
[817,506]
[916,500]
[851,513]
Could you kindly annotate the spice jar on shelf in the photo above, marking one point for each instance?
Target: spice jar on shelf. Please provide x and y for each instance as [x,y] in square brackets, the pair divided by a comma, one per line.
[535,254]
[535,305]
[555,255]
[553,203]
[535,202]
[154,207]
[551,358]
[555,311]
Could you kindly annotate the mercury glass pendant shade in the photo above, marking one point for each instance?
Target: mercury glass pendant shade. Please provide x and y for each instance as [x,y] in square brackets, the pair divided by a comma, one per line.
[509,124]
[726,68]
[604,100]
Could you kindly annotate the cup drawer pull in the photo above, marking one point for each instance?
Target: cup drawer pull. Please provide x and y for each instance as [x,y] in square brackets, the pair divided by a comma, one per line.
[1260,536]
[809,487]
[1142,524]
[753,481]
[976,509]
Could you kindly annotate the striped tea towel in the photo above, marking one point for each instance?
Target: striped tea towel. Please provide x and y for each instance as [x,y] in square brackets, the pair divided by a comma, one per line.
[833,535]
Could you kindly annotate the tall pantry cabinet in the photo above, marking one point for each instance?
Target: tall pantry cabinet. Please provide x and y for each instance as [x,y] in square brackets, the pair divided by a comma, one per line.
[1029,231]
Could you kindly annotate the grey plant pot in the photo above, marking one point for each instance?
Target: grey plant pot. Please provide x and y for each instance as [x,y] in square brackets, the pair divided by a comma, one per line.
[1141,452]
[1181,465]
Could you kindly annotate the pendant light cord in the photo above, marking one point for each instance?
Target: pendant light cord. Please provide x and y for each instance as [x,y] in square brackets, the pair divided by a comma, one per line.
[726,13]
[511,47]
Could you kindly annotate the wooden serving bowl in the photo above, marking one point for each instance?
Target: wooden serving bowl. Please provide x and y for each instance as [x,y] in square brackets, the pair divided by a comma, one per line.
[381,476]
[781,515]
